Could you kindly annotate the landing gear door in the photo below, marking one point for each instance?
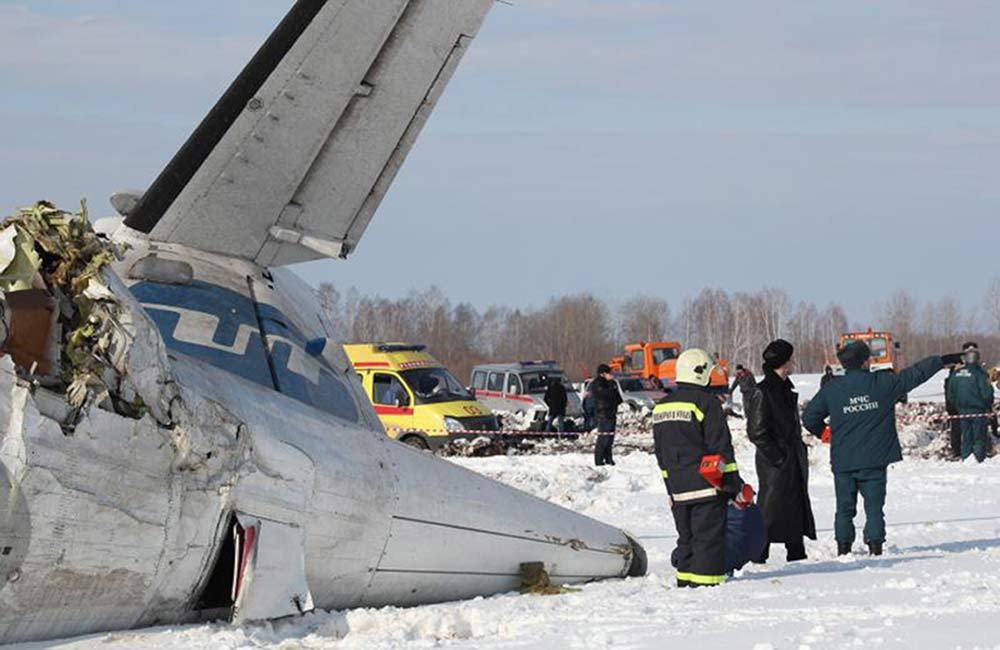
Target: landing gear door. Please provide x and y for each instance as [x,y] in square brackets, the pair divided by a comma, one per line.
[270,571]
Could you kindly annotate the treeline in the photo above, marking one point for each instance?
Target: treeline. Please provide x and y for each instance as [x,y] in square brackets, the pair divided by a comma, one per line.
[581,331]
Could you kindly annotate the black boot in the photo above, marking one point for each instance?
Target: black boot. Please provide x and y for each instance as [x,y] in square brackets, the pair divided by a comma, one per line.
[763,555]
[843,548]
[875,548]
[796,552]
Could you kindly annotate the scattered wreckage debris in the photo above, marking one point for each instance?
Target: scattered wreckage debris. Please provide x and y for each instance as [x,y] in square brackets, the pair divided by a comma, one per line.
[62,324]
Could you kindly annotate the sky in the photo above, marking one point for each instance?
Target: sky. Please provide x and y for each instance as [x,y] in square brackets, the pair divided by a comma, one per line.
[838,150]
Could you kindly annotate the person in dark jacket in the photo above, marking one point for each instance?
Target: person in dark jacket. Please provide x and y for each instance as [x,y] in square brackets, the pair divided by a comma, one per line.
[782,459]
[953,424]
[827,377]
[971,393]
[556,399]
[606,396]
[689,432]
[861,406]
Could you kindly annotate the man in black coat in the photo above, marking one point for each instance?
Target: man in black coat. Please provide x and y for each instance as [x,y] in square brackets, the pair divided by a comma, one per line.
[606,396]
[773,426]
[556,399]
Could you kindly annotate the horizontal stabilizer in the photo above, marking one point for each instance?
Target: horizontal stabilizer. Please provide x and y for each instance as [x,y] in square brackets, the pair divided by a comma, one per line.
[294,159]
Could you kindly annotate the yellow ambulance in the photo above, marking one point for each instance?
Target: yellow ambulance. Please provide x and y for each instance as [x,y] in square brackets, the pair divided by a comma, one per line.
[417,399]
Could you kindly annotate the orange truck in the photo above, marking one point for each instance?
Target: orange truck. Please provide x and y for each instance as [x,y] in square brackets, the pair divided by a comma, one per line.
[658,360]
[886,353]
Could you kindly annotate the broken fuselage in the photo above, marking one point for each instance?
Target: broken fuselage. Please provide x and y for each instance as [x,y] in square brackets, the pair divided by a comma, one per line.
[248,491]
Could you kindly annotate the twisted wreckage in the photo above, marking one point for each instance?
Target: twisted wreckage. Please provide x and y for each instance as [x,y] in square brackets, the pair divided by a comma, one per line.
[178,437]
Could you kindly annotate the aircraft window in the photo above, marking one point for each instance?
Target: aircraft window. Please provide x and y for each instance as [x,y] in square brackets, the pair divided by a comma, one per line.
[479,380]
[388,390]
[495,382]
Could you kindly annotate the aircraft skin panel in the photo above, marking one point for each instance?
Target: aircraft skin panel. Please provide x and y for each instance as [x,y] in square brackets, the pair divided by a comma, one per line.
[245,182]
[314,150]
[377,131]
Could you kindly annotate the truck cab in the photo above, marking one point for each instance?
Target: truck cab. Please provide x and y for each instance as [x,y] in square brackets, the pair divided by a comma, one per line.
[658,360]
[887,353]
[417,399]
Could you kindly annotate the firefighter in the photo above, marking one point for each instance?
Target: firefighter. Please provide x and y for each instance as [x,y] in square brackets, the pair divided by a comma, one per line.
[969,390]
[695,452]
[861,406]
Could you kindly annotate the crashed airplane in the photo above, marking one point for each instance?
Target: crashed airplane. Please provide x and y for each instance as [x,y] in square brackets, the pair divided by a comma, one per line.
[179,439]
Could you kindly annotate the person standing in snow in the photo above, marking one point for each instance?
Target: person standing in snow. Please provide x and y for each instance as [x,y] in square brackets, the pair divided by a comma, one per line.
[954,424]
[773,426]
[741,375]
[606,396]
[556,399]
[970,391]
[827,377]
[861,406]
[689,431]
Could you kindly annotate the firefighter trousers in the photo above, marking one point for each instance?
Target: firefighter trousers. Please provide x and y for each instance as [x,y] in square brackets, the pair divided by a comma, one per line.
[975,438]
[871,484]
[701,542]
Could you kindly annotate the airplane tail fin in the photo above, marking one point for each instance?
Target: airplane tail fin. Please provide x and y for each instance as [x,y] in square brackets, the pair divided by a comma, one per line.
[294,159]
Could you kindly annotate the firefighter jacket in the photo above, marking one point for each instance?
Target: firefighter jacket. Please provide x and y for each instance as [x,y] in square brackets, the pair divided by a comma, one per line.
[969,390]
[861,406]
[688,425]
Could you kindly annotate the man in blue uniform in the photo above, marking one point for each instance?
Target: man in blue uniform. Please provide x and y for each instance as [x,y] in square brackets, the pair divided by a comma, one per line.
[970,392]
[695,452]
[861,406]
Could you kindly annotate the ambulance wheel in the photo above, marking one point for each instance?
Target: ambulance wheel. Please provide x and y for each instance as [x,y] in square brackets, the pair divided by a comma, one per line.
[416,441]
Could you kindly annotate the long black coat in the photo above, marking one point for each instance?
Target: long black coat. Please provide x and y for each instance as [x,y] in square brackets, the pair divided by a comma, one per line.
[773,426]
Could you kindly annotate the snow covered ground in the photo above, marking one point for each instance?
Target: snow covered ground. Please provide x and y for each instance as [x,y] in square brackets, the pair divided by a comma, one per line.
[938,586]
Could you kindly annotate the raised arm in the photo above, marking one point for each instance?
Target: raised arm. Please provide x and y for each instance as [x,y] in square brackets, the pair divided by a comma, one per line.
[915,375]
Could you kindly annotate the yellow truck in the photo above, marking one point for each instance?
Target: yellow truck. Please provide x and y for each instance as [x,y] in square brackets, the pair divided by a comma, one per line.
[418,400]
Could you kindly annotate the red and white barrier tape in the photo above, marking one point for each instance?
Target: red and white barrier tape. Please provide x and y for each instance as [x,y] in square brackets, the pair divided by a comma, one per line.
[633,432]
[539,434]
[965,416]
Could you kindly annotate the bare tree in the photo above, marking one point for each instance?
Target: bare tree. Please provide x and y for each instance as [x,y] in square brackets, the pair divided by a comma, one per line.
[992,304]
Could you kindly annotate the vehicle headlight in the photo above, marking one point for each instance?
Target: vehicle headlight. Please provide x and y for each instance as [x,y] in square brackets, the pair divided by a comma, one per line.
[451,424]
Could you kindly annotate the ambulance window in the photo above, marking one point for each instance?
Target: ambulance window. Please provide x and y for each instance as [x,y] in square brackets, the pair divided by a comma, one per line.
[479,380]
[495,382]
[514,386]
[388,390]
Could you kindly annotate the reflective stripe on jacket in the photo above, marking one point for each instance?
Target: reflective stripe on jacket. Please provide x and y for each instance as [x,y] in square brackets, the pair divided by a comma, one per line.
[688,425]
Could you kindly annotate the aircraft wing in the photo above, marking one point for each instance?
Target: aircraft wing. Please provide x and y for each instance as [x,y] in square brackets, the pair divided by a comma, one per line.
[294,159]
